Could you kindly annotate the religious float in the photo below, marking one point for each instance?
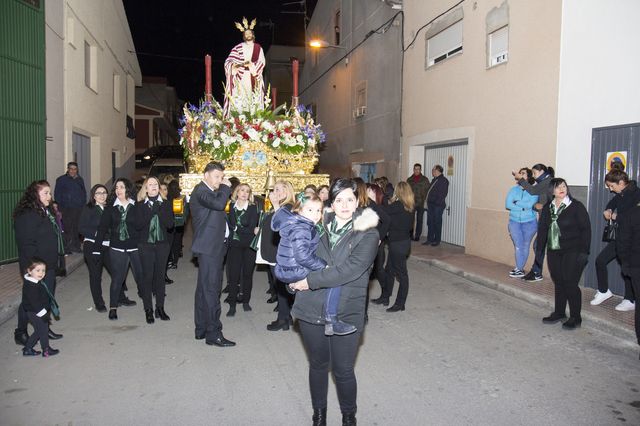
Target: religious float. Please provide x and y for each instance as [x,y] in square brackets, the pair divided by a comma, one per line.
[258,143]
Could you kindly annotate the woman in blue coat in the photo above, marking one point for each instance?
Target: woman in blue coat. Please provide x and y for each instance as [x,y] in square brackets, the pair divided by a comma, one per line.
[522,221]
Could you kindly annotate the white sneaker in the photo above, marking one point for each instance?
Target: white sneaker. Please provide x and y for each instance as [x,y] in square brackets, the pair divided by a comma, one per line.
[601,297]
[516,273]
[626,305]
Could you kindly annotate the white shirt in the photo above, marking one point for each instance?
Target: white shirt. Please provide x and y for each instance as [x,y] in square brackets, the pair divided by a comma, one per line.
[226,225]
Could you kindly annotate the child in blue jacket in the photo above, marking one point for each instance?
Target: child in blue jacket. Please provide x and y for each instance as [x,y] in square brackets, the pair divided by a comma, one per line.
[296,257]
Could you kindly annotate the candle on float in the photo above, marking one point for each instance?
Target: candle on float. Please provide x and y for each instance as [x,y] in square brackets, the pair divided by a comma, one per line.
[295,65]
[207,70]
[274,97]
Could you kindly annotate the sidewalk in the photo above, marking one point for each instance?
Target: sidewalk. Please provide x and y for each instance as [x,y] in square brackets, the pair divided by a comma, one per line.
[11,285]
[447,257]
[495,275]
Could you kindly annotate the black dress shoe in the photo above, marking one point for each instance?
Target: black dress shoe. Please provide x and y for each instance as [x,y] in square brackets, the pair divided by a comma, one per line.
[553,318]
[572,323]
[30,352]
[113,314]
[49,351]
[126,302]
[160,313]
[246,307]
[20,337]
[272,299]
[221,342]
[395,308]
[200,336]
[101,308]
[381,301]
[319,417]
[278,325]
[168,280]
[232,311]
[148,313]
[435,244]
[54,336]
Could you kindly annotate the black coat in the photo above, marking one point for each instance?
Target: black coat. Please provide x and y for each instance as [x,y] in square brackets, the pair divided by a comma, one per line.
[35,236]
[575,227]
[400,222]
[90,221]
[245,228]
[628,238]
[349,265]
[438,191]
[626,200]
[35,298]
[143,213]
[109,228]
[208,217]
[269,239]
[384,220]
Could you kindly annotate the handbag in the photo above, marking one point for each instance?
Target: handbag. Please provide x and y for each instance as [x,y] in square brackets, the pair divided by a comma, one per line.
[609,233]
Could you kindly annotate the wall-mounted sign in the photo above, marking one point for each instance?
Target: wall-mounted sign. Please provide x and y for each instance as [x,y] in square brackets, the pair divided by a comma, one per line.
[450,166]
[616,157]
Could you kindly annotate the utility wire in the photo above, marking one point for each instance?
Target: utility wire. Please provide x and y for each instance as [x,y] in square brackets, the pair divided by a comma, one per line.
[431,22]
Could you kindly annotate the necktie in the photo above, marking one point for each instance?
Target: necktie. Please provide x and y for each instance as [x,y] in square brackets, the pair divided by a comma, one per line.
[554,229]
[123,231]
[335,234]
[58,233]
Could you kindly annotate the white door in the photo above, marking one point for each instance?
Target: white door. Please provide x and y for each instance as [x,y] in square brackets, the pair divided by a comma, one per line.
[453,159]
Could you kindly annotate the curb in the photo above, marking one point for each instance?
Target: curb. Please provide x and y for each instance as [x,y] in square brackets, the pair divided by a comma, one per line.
[594,321]
[9,307]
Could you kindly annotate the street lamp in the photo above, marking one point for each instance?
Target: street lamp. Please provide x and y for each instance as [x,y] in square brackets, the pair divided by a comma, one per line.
[321,44]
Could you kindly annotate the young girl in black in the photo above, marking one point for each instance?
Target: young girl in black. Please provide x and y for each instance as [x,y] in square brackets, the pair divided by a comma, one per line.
[38,302]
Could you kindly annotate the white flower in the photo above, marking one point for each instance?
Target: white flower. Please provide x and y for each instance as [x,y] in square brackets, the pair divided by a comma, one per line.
[276,142]
[253,134]
[216,143]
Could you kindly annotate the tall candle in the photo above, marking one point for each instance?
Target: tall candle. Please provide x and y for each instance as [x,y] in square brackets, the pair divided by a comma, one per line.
[207,71]
[295,66]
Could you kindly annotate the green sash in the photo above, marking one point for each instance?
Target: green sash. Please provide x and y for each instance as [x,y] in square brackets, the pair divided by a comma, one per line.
[123,231]
[58,232]
[55,308]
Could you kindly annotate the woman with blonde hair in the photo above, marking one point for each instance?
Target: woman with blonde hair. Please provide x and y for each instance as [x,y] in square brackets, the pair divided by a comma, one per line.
[282,196]
[153,219]
[241,258]
[400,211]
[363,198]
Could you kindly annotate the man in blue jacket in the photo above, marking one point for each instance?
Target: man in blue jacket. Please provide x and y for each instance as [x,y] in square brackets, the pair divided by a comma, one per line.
[436,197]
[71,196]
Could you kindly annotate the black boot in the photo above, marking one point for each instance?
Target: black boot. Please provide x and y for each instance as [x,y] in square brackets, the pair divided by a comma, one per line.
[148,313]
[319,417]
[232,310]
[20,337]
[167,280]
[349,419]
[160,313]
[53,335]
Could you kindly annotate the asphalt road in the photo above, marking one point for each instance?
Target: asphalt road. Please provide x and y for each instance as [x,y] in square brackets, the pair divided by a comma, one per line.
[460,354]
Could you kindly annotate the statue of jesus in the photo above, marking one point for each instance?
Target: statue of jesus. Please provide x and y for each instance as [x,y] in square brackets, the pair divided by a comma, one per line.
[243,67]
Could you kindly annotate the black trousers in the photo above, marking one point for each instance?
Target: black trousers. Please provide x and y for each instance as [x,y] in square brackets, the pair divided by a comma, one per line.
[207,299]
[538,252]
[50,281]
[41,333]
[378,265]
[417,231]
[566,269]
[608,254]
[95,263]
[285,299]
[119,263]
[241,262]
[634,274]
[434,222]
[176,244]
[153,258]
[337,353]
[70,221]
[397,269]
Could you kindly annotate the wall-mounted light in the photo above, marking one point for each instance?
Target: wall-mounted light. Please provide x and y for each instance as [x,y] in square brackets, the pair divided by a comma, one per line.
[321,44]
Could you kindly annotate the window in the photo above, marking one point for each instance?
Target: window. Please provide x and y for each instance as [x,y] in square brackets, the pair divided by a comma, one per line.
[360,100]
[130,95]
[116,92]
[499,46]
[336,28]
[90,66]
[444,44]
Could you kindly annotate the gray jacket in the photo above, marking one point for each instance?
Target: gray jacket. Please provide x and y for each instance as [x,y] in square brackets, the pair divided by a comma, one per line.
[541,189]
[348,265]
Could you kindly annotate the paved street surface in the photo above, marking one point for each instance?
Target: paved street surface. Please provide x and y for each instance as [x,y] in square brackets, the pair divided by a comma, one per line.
[461,354]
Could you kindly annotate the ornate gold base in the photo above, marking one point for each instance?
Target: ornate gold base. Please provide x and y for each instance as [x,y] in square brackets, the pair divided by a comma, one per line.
[257,182]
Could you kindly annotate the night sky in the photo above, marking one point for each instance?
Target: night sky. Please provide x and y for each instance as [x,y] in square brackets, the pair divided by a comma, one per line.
[172,36]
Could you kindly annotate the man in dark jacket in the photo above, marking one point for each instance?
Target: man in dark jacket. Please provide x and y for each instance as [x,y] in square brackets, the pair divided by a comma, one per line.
[210,233]
[436,202]
[71,196]
[628,249]
[419,184]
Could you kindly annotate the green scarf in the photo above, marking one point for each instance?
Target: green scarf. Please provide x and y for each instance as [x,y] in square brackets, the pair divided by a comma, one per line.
[335,234]
[238,215]
[123,231]
[320,228]
[56,228]
[55,308]
[155,231]
[553,242]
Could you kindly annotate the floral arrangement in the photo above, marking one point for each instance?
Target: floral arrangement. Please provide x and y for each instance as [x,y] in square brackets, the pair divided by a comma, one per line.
[206,129]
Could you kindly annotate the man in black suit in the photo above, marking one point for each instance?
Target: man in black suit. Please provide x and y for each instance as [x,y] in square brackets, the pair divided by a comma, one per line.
[210,233]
